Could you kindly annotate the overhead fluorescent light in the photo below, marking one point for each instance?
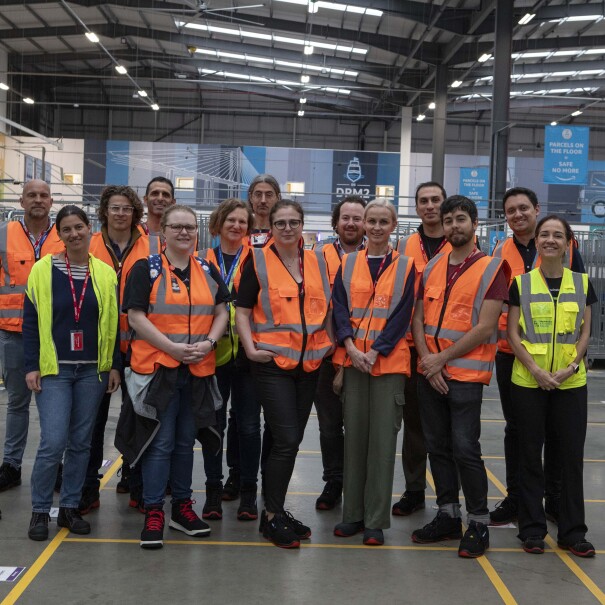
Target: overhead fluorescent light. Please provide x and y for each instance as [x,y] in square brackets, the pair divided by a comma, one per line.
[142,93]
[553,123]
[308,50]
[28,100]
[576,113]
[420,117]
[302,100]
[301,113]
[3,86]
[304,79]
[92,37]
[121,69]
[155,107]
[526,18]
[456,84]
[313,6]
[432,105]
[484,57]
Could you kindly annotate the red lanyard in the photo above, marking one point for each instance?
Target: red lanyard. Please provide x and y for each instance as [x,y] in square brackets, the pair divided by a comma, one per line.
[77,305]
[38,243]
[458,270]
[380,268]
[302,272]
[425,255]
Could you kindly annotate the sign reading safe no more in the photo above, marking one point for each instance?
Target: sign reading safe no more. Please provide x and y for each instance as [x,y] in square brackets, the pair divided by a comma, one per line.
[566,155]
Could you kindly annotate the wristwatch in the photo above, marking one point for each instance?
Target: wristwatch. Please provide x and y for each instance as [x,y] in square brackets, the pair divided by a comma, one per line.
[574,366]
[211,341]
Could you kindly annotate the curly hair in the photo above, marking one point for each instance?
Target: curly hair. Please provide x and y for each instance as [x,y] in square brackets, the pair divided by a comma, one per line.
[127,192]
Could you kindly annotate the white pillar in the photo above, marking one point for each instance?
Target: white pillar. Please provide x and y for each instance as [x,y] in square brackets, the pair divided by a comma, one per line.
[406,204]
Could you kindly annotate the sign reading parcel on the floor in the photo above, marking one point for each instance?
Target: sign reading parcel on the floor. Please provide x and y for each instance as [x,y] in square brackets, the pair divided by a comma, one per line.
[10,574]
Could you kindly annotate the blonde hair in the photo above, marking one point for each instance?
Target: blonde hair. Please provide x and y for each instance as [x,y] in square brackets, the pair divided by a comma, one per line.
[382,202]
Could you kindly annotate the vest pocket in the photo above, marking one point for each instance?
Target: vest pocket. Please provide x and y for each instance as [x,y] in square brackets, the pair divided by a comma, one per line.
[569,312]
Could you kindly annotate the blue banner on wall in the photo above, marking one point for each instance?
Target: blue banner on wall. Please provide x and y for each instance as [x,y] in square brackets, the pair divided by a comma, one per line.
[474,183]
[566,154]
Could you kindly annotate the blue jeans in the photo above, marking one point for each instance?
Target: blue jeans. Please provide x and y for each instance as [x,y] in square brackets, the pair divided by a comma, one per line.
[452,427]
[67,406]
[170,455]
[19,396]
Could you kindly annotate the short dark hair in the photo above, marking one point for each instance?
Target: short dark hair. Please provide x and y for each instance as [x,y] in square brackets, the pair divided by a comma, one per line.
[569,236]
[127,192]
[531,195]
[160,179]
[223,210]
[349,199]
[70,210]
[459,202]
[286,203]
[430,184]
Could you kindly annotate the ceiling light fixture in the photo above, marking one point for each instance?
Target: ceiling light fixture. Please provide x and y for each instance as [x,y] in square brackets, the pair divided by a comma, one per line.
[304,79]
[121,70]
[314,5]
[432,105]
[420,117]
[484,57]
[301,113]
[155,107]
[576,113]
[142,93]
[302,100]
[3,86]
[527,17]
[308,50]
[456,84]
[553,123]
[28,100]
[92,37]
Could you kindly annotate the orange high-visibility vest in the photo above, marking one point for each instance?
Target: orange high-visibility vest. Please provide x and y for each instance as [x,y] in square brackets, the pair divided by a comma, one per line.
[332,257]
[102,250]
[184,317]
[448,318]
[410,246]
[390,287]
[276,321]
[17,257]
[507,250]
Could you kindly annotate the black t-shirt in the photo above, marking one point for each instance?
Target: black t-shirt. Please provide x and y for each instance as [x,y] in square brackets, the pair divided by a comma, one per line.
[554,285]
[138,285]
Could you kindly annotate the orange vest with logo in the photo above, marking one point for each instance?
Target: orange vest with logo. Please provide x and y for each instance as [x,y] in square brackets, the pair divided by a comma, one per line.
[102,251]
[184,317]
[390,287]
[507,250]
[17,257]
[449,316]
[276,321]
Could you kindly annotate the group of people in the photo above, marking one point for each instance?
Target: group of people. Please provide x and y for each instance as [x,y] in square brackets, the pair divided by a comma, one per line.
[374,335]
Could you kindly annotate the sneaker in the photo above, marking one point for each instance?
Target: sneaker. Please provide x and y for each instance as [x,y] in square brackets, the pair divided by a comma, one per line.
[123,486]
[136,499]
[442,527]
[279,531]
[59,479]
[346,530]
[9,476]
[582,548]
[212,507]
[331,495]
[247,510]
[551,509]
[232,487]
[302,531]
[475,541]
[152,535]
[410,502]
[504,513]
[38,527]
[89,500]
[534,545]
[184,518]
[373,537]
[70,518]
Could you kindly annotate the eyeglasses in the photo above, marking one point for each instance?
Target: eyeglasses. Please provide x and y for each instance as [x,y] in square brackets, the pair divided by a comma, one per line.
[268,195]
[121,209]
[293,223]
[177,228]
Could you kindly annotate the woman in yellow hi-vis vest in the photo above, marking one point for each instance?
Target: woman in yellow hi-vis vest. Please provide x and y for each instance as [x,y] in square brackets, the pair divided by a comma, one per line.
[548,330]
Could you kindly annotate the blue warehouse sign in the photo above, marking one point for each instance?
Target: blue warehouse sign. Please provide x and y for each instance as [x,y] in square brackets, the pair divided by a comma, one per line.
[566,155]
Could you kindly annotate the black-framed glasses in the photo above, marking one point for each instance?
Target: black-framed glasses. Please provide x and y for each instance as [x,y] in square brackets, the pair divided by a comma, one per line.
[293,223]
[177,228]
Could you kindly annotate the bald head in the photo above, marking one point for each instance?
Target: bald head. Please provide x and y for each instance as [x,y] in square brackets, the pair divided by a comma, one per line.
[36,201]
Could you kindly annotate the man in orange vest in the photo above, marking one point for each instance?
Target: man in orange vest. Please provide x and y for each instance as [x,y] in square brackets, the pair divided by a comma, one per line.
[22,243]
[422,246]
[521,209]
[454,326]
[347,222]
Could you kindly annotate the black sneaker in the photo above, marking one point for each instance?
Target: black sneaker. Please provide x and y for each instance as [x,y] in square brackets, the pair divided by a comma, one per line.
[442,527]
[123,486]
[136,499]
[152,535]
[9,476]
[504,513]
[59,479]
[410,502]
[89,500]
[38,527]
[475,541]
[302,531]
[534,545]
[70,518]
[346,530]
[551,508]
[232,486]
[373,537]
[331,495]
[212,507]
[184,518]
[582,548]
[280,532]
[247,510]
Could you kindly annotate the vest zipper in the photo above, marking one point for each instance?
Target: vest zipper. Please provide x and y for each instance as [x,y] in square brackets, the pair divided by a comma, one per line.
[554,328]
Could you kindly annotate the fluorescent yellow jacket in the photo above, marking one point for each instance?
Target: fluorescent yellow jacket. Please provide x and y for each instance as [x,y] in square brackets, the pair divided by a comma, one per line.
[550,332]
[39,291]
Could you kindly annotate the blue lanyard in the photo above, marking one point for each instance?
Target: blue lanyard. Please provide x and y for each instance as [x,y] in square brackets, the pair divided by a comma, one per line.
[228,277]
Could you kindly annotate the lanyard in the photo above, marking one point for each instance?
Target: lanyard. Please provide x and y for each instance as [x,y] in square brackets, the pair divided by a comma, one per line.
[39,242]
[458,270]
[380,268]
[229,277]
[424,254]
[77,305]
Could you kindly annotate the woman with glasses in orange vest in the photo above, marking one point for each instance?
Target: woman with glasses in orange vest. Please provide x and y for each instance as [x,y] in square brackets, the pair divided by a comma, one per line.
[281,317]
[373,298]
[176,307]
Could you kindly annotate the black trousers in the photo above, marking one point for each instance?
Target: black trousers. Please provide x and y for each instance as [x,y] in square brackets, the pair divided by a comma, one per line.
[564,412]
[286,397]
[552,463]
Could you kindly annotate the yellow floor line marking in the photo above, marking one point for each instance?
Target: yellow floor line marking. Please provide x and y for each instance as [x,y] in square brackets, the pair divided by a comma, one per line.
[49,551]
[563,555]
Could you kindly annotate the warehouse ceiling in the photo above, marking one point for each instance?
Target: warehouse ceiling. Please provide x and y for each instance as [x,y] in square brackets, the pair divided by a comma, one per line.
[364,58]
